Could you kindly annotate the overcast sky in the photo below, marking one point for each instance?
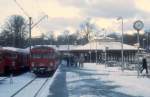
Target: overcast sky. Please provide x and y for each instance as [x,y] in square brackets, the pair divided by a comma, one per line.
[69,14]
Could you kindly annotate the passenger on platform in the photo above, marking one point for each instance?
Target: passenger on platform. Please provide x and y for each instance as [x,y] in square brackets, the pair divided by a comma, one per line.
[99,59]
[75,61]
[81,60]
[144,65]
[67,59]
[71,60]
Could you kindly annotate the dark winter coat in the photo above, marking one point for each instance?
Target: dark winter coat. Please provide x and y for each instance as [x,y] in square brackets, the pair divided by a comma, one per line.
[144,63]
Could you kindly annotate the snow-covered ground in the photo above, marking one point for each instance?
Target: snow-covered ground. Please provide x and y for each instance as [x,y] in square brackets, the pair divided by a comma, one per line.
[90,81]
[2,78]
[98,81]
[32,89]
[7,88]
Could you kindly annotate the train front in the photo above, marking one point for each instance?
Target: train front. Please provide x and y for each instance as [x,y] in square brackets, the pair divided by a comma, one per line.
[43,60]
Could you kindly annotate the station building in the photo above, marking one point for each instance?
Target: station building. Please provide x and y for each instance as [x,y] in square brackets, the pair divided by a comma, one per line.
[100,49]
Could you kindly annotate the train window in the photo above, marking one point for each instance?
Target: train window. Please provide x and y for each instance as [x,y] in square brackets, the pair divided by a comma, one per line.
[13,56]
[36,55]
[46,56]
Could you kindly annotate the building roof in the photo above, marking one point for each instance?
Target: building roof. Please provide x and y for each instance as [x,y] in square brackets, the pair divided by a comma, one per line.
[15,49]
[98,44]
[105,42]
[104,45]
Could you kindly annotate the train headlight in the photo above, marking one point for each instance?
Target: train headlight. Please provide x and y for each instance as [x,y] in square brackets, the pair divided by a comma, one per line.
[13,64]
[51,64]
[32,64]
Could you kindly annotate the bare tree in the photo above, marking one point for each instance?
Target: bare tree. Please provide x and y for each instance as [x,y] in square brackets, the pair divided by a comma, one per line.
[14,31]
[50,36]
[87,29]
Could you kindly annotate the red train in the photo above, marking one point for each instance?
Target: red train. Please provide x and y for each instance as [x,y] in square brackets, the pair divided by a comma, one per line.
[13,60]
[44,60]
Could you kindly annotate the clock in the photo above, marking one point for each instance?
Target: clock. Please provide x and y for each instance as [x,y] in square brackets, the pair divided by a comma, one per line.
[138,25]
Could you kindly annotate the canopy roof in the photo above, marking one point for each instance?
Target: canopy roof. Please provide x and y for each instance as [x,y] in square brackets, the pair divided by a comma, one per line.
[101,43]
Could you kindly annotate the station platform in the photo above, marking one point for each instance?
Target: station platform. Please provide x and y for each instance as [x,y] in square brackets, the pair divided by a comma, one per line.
[96,80]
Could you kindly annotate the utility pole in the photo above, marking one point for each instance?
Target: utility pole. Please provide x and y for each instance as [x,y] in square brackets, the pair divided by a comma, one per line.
[30,21]
[30,30]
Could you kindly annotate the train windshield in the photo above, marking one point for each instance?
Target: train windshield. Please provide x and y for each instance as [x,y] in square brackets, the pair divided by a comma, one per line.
[36,56]
[10,55]
[1,57]
[43,55]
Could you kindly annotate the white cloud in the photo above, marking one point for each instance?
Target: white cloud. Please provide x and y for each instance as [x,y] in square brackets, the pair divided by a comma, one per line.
[143,5]
[68,14]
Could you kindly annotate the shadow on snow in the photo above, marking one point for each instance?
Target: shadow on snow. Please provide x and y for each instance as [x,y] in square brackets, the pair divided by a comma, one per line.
[85,85]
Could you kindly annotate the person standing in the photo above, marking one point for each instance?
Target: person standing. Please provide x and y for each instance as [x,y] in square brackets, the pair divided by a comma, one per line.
[75,61]
[144,65]
[81,60]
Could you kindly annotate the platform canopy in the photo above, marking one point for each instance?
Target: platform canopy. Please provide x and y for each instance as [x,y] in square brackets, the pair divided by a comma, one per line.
[99,44]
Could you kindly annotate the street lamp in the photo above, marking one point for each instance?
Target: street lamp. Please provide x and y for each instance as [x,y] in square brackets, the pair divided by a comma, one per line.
[67,36]
[90,51]
[122,31]
[96,48]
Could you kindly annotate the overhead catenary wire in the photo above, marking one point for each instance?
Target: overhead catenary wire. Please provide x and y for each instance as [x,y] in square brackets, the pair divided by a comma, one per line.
[39,7]
[45,16]
[31,25]
[21,8]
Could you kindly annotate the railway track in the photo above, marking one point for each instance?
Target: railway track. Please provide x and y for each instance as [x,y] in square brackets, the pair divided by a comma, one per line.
[36,94]
[22,88]
[1,79]
[32,88]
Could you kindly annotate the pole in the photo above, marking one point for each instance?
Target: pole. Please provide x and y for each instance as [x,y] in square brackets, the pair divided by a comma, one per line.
[96,52]
[67,33]
[69,50]
[138,25]
[138,41]
[90,49]
[122,59]
[30,19]
[105,57]
[122,54]
[147,42]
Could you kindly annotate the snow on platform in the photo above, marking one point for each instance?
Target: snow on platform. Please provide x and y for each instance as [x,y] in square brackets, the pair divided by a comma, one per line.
[90,81]
[97,81]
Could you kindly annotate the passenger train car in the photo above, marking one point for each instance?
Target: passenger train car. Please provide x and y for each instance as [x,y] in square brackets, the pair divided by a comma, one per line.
[13,60]
[44,60]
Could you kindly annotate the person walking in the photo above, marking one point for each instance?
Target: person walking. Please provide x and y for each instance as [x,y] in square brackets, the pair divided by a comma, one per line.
[144,65]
